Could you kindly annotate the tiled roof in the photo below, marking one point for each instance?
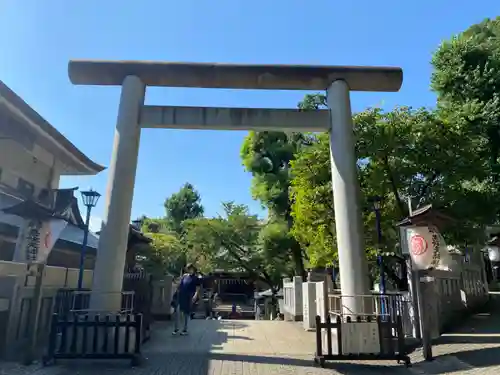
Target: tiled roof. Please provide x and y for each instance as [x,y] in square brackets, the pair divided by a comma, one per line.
[72,233]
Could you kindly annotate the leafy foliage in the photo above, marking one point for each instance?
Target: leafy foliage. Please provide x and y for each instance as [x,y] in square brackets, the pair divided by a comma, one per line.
[233,242]
[164,255]
[267,155]
[169,252]
[467,80]
[402,154]
[183,205]
[448,156]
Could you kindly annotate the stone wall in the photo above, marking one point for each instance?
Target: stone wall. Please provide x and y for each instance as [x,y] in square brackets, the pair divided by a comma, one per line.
[57,277]
[17,301]
[33,166]
[454,293]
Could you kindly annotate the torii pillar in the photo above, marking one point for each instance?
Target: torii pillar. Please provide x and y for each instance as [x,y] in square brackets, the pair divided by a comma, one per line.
[133,115]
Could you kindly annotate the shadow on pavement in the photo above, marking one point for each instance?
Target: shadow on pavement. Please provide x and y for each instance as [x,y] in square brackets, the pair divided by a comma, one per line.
[481,357]
[476,340]
[481,327]
[345,368]
[217,347]
[468,339]
[164,354]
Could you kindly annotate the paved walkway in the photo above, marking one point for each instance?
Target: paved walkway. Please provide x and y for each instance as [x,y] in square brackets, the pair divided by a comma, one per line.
[279,348]
[219,348]
[472,349]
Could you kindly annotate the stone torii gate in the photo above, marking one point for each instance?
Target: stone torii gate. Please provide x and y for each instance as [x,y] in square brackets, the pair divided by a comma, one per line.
[133,115]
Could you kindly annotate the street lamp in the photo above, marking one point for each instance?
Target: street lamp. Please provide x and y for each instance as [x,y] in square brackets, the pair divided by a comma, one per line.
[377,202]
[493,254]
[137,224]
[494,257]
[89,199]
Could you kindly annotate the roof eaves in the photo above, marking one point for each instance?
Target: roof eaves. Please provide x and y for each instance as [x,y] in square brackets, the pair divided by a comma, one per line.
[16,101]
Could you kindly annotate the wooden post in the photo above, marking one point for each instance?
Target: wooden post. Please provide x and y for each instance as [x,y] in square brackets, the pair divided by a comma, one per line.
[423,292]
[34,315]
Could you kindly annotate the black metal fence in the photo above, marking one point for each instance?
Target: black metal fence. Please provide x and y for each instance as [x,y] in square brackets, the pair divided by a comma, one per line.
[95,337]
[391,340]
[67,299]
[140,284]
[388,306]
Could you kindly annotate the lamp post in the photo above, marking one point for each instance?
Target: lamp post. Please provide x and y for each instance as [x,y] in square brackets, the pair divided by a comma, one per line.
[494,258]
[89,199]
[376,202]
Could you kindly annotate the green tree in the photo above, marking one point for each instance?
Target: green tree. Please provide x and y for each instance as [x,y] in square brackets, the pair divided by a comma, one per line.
[169,251]
[466,78]
[163,255]
[312,208]
[234,242]
[402,154]
[267,155]
[183,205]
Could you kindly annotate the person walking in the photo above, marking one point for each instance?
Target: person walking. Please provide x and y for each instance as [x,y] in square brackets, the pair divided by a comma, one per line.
[185,297]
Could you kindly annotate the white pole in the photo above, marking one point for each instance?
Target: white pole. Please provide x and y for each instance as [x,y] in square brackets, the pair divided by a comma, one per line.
[410,208]
[111,253]
[352,259]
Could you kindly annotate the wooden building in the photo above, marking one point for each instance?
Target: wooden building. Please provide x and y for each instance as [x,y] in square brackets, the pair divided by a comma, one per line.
[33,158]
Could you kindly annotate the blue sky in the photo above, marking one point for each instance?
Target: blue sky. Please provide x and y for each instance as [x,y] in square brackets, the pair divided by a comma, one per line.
[37,38]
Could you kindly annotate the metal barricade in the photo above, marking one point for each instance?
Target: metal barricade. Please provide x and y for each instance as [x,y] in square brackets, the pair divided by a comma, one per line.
[387,306]
[373,331]
[95,337]
[80,301]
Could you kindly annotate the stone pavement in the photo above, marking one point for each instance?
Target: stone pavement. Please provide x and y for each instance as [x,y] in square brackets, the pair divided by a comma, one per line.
[215,347]
[282,348]
[474,348]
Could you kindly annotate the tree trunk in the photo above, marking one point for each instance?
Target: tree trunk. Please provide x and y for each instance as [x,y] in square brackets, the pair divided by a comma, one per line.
[298,260]
[296,251]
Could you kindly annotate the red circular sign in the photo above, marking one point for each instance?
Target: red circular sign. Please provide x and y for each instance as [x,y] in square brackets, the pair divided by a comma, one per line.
[418,245]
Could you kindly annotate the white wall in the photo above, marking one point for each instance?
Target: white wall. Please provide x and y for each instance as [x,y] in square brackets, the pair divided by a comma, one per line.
[34,166]
[53,276]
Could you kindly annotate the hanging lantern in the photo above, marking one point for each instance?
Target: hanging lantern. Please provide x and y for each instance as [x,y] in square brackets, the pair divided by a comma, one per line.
[493,253]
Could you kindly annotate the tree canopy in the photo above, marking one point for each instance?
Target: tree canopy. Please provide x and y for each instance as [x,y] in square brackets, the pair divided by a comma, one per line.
[267,156]
[183,205]
[447,155]
[235,242]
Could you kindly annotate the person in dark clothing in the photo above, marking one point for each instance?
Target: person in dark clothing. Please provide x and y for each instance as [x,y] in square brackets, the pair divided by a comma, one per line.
[186,295]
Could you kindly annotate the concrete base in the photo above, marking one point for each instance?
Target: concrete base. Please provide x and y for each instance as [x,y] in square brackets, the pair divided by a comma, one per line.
[309,305]
[293,318]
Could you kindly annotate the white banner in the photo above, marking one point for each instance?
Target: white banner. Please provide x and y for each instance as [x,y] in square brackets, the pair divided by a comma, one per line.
[49,234]
[427,248]
[420,245]
[21,242]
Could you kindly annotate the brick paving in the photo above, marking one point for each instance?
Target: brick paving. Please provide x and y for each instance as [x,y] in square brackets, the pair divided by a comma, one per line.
[282,348]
